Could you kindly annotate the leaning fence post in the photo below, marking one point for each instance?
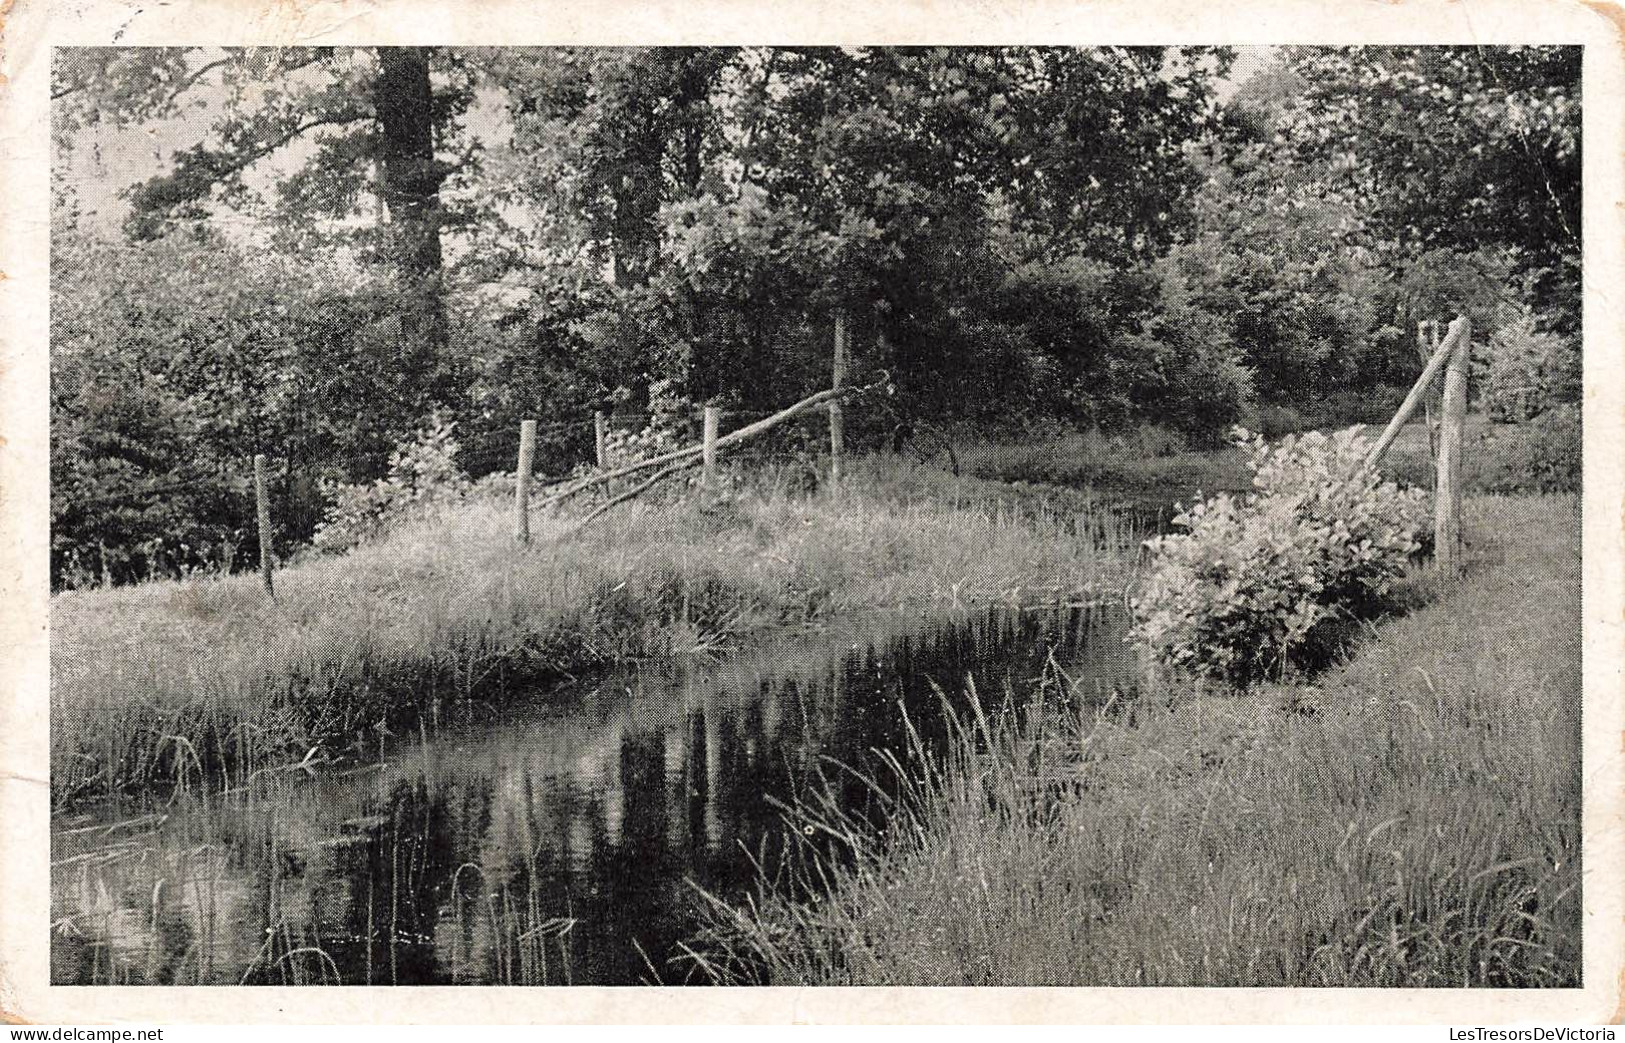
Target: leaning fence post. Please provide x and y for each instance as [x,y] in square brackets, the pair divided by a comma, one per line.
[708,452]
[1452,337]
[262,513]
[1447,548]
[521,485]
[837,431]
[600,426]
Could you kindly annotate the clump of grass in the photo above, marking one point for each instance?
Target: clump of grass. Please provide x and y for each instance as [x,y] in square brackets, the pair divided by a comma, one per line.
[1146,466]
[1412,820]
[207,682]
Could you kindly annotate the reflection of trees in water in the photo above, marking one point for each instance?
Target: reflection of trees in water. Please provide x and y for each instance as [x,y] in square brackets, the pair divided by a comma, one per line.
[539,850]
[113,924]
[388,905]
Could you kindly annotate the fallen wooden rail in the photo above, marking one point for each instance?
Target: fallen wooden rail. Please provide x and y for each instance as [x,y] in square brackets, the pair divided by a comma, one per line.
[659,476]
[681,459]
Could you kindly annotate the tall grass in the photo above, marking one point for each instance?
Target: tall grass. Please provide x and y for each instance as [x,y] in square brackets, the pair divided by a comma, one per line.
[1138,466]
[1411,820]
[242,891]
[207,682]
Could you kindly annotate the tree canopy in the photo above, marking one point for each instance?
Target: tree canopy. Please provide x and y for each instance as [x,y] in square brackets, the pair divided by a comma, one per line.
[335,245]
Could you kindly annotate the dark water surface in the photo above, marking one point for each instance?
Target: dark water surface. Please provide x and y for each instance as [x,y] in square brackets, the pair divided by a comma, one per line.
[557,841]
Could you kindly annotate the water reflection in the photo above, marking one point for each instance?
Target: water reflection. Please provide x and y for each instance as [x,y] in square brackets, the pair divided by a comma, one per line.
[556,842]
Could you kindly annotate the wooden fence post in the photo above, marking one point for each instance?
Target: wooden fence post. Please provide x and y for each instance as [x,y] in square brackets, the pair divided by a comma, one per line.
[1454,336]
[1447,546]
[600,424]
[521,486]
[708,451]
[1427,342]
[837,430]
[262,512]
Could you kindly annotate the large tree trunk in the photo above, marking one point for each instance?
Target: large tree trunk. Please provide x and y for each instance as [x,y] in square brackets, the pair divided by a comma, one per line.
[404,102]
[691,101]
[638,195]
[409,182]
[668,105]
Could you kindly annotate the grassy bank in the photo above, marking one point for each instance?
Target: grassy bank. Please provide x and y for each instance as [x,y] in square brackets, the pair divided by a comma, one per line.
[206,680]
[1139,468]
[1151,467]
[1411,819]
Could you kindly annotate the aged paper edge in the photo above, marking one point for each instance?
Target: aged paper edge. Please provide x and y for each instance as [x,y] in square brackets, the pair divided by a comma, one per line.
[31,28]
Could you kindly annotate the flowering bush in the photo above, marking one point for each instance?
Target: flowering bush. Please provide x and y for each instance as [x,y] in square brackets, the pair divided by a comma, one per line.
[1322,538]
[1530,371]
[629,447]
[423,473]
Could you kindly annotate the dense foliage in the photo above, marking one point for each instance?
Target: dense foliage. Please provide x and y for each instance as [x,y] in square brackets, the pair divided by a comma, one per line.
[1451,148]
[335,245]
[1530,371]
[1541,456]
[422,474]
[173,362]
[1241,594]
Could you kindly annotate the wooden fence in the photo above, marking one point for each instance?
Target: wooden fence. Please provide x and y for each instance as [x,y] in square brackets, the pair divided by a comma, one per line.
[703,455]
[1452,354]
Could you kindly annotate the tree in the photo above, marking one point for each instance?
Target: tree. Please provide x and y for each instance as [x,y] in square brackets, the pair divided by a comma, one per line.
[1275,260]
[935,174]
[618,132]
[372,129]
[1458,148]
[768,188]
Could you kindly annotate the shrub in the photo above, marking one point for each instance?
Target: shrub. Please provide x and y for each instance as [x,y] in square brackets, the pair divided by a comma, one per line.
[423,473]
[1253,583]
[1273,421]
[626,447]
[1539,456]
[630,447]
[1181,371]
[1530,371]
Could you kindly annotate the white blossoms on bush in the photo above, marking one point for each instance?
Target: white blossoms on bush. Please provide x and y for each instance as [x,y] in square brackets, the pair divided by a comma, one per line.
[1321,537]
[421,474]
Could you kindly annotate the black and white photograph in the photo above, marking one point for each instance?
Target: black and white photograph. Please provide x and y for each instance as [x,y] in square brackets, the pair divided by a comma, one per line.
[826,514]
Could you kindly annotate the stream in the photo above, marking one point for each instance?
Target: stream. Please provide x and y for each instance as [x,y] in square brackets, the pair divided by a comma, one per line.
[560,838]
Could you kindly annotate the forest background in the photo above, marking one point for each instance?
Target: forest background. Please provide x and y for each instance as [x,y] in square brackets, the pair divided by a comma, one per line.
[329,255]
